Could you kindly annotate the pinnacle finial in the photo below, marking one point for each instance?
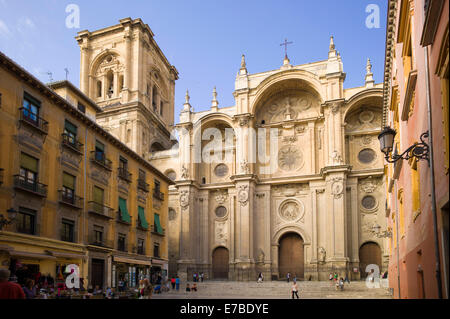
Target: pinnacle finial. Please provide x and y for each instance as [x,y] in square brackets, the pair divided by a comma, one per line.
[332,46]
[243,65]
[187,97]
[368,67]
[214,102]
[214,94]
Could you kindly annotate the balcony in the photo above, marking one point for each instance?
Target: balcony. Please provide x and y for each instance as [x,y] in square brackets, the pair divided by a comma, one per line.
[143,185]
[100,242]
[100,159]
[70,238]
[29,185]
[140,250]
[157,194]
[71,200]
[100,209]
[1,176]
[33,121]
[124,174]
[154,231]
[72,144]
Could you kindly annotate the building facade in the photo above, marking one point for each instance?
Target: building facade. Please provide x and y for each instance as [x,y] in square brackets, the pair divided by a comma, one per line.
[125,72]
[416,76]
[309,207]
[81,196]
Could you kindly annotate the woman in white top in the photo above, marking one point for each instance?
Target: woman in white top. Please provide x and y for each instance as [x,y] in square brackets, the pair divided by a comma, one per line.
[295,290]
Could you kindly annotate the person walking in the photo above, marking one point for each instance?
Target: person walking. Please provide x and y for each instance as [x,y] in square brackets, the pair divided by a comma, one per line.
[295,290]
[9,290]
[288,276]
[201,277]
[177,283]
[260,278]
[172,281]
[346,279]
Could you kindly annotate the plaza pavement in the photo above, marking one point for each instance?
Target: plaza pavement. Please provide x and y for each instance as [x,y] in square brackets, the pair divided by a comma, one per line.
[275,290]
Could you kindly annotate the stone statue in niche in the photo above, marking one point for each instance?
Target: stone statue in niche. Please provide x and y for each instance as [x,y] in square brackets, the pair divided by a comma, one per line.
[261,256]
[184,172]
[322,255]
[336,158]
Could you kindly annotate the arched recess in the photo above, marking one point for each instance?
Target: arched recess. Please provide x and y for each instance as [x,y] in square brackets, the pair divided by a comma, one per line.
[291,255]
[220,263]
[369,254]
[106,75]
[292,79]
[213,128]
[156,147]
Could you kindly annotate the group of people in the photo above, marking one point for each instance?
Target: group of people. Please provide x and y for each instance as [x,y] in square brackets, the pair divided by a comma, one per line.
[338,281]
[196,277]
[288,277]
[190,288]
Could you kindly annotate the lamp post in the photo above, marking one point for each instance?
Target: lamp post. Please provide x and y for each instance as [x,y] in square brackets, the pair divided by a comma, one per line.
[5,221]
[421,150]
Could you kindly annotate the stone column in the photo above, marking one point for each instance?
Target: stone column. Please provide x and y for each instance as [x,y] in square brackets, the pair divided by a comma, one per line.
[84,74]
[127,71]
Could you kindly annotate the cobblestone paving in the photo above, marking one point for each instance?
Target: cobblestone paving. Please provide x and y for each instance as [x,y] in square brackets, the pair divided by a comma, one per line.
[275,290]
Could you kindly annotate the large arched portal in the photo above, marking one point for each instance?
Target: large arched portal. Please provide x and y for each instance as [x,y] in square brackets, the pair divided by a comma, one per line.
[220,260]
[290,257]
[369,254]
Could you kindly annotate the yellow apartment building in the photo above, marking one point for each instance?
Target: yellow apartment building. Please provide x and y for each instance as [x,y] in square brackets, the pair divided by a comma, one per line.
[77,194]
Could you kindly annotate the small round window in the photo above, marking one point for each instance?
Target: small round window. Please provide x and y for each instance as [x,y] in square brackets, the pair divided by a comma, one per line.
[366,156]
[368,202]
[221,170]
[221,211]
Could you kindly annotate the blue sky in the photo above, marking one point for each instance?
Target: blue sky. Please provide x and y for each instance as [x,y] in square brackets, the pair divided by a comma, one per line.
[203,39]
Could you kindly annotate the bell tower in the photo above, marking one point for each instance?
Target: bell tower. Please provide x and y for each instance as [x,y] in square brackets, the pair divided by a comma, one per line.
[125,72]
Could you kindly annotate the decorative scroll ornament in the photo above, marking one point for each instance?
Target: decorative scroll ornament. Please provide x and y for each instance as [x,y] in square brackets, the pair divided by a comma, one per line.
[368,185]
[243,194]
[245,168]
[221,196]
[184,199]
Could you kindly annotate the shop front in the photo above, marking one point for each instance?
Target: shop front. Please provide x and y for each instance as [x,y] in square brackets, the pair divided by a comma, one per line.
[158,271]
[46,265]
[127,272]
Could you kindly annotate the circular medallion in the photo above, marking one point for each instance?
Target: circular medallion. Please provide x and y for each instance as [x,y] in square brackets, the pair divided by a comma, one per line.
[366,117]
[369,202]
[289,158]
[171,175]
[221,212]
[221,170]
[367,156]
[291,210]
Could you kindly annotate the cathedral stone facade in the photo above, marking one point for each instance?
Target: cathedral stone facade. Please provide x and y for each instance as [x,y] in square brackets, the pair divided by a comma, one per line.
[307,206]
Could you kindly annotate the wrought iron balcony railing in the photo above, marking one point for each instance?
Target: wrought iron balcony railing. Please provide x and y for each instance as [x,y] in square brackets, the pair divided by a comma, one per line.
[100,209]
[140,250]
[72,143]
[101,242]
[143,185]
[124,174]
[70,199]
[30,185]
[100,159]
[154,230]
[33,120]
[157,194]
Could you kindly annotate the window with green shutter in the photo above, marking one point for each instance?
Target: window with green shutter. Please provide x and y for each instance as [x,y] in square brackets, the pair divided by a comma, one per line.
[124,215]
[29,163]
[98,195]
[70,131]
[142,220]
[158,227]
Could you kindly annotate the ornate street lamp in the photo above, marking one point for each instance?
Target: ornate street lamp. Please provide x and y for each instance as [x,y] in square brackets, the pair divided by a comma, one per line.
[5,221]
[420,150]
[376,229]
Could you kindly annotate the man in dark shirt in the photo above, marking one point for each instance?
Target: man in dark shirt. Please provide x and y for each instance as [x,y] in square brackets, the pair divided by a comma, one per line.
[9,290]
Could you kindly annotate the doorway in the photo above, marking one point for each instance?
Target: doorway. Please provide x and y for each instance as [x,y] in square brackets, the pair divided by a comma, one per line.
[290,257]
[220,262]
